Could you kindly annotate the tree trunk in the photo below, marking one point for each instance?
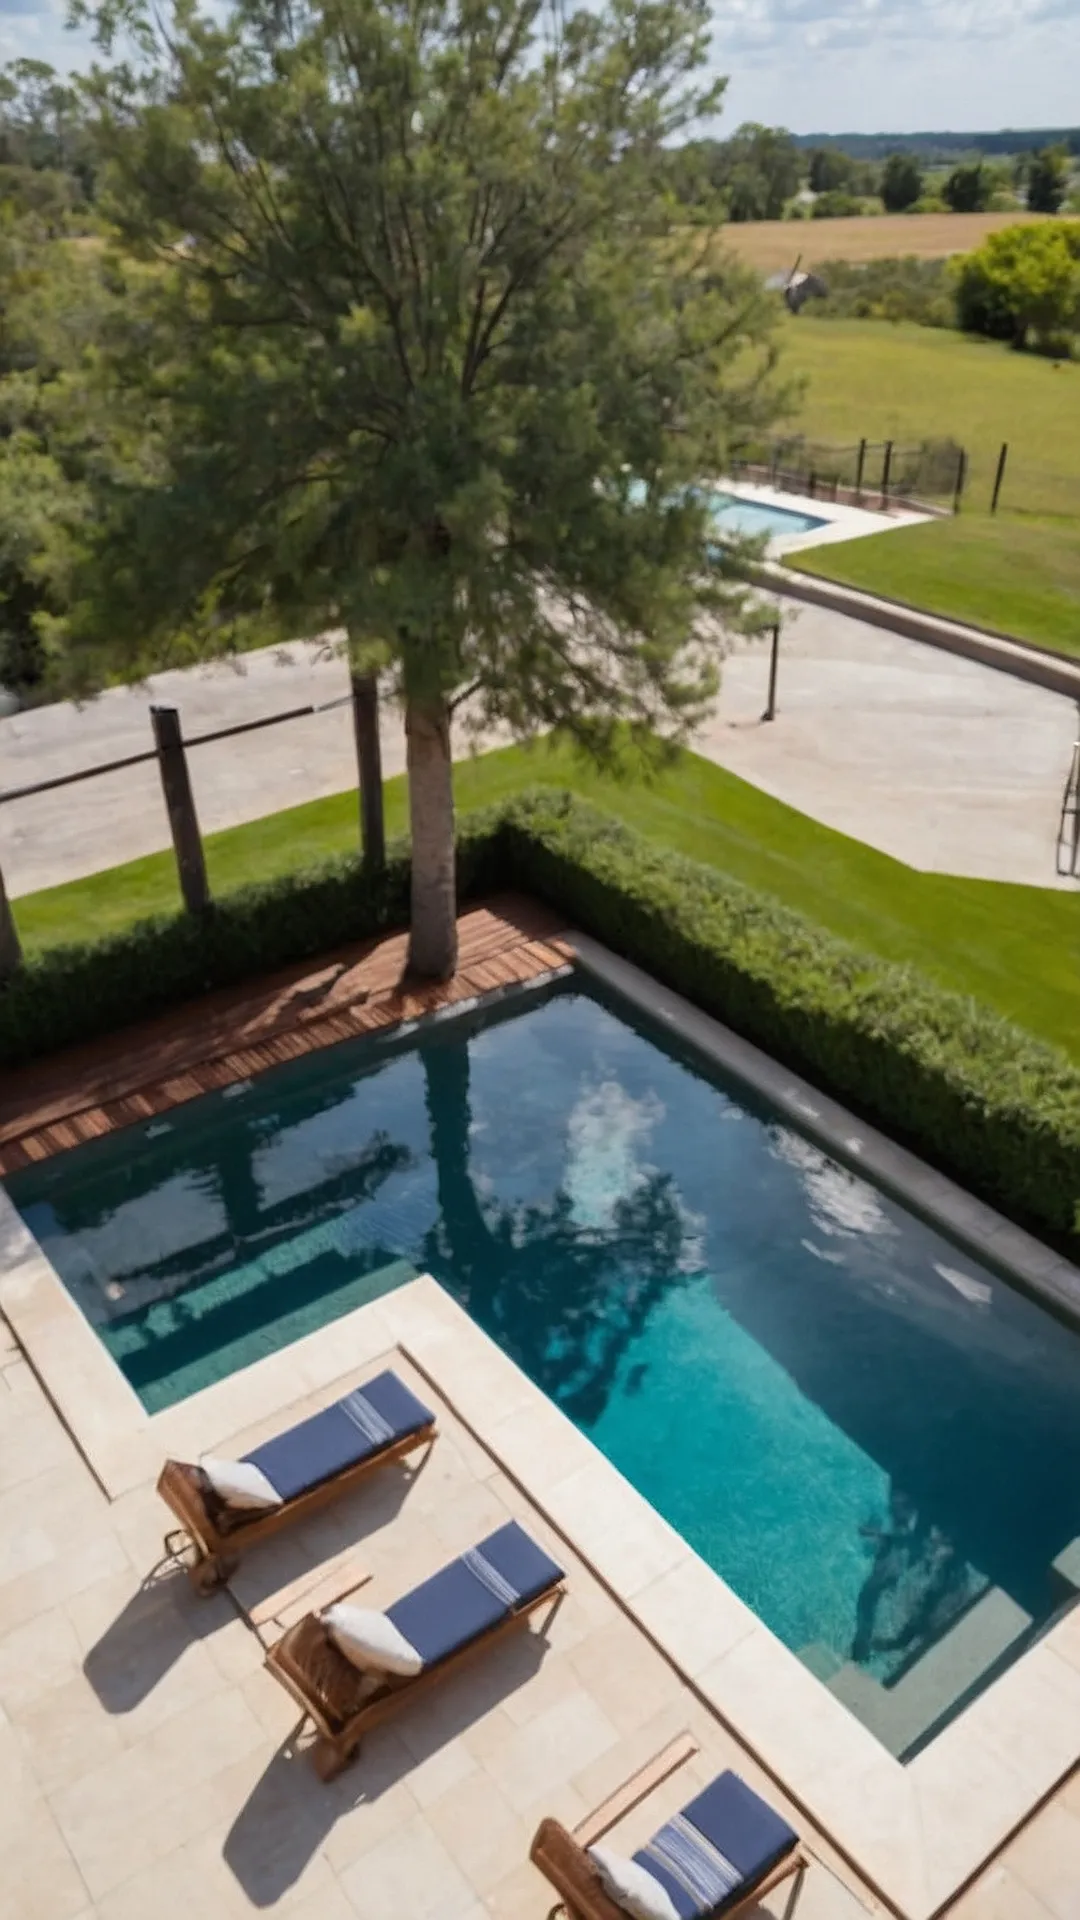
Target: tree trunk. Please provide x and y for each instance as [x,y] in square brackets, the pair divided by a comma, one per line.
[365,696]
[433,935]
[10,950]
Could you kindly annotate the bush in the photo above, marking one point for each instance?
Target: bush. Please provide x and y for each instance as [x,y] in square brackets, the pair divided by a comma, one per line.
[888,289]
[836,206]
[90,988]
[993,1107]
[1022,282]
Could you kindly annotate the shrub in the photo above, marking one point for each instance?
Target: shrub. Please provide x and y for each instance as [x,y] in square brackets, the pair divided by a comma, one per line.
[836,205]
[986,1102]
[93,987]
[887,289]
[1022,281]
[995,1108]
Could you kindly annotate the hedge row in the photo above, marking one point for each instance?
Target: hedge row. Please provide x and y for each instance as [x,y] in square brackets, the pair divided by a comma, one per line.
[987,1103]
[90,988]
[992,1106]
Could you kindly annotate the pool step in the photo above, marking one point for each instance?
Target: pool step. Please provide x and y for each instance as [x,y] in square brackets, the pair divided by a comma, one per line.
[824,1662]
[899,1714]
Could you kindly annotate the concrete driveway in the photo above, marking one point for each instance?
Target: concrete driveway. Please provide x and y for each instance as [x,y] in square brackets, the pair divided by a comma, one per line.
[943,763]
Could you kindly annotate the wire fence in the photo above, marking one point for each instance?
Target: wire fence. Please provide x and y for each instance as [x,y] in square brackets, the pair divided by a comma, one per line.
[937,473]
[874,473]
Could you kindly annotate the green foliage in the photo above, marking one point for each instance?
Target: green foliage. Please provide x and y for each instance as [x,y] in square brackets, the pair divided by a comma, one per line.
[901,182]
[968,188]
[757,171]
[88,988]
[990,1105]
[1047,180]
[1022,281]
[831,171]
[895,289]
[836,205]
[43,130]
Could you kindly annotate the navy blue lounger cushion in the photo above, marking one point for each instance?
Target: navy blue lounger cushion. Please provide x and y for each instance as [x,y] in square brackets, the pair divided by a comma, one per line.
[721,1844]
[473,1593]
[365,1422]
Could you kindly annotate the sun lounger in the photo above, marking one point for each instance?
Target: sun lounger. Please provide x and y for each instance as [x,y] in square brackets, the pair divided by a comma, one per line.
[723,1852]
[308,1466]
[460,1611]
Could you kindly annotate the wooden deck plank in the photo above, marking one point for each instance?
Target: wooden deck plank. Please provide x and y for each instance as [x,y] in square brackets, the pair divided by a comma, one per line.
[237,1033]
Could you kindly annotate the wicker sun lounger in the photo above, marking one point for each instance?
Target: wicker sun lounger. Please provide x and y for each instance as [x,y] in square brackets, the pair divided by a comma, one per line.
[725,1851]
[459,1612]
[310,1465]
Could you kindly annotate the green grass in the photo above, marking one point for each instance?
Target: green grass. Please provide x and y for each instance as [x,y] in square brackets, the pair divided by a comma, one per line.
[870,379]
[1015,948]
[1019,572]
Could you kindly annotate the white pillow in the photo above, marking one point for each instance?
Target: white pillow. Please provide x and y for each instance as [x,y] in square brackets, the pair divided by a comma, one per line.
[241,1484]
[632,1887]
[370,1640]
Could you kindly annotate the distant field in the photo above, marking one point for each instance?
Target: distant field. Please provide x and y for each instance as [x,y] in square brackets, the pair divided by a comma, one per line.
[773,244]
[1019,572]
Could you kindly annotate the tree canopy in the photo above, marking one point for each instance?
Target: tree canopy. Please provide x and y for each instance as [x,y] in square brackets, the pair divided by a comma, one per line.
[1047,180]
[1023,281]
[419,348]
[901,182]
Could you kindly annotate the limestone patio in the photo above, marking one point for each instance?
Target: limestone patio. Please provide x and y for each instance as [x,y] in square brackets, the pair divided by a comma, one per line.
[149,1764]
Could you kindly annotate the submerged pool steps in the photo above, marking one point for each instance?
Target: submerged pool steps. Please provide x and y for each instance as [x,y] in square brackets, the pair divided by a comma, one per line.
[900,1715]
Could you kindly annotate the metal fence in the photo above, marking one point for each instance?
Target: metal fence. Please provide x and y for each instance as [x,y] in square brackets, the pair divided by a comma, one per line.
[873,473]
[938,474]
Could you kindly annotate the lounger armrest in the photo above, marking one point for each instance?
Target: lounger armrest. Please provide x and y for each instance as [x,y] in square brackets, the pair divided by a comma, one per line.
[572,1873]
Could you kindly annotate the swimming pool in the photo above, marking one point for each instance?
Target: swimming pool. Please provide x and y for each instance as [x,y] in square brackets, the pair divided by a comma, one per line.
[870,1437]
[751,517]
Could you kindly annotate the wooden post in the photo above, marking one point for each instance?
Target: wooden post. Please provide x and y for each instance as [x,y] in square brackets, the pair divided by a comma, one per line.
[10,949]
[365,701]
[770,704]
[961,477]
[859,466]
[886,472]
[999,475]
[180,806]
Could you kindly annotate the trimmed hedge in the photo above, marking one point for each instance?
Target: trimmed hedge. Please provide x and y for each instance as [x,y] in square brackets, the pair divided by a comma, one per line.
[989,1104]
[992,1106]
[82,991]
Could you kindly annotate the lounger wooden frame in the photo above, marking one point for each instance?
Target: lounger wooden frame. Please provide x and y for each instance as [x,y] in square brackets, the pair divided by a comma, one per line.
[339,1737]
[570,1871]
[217,1553]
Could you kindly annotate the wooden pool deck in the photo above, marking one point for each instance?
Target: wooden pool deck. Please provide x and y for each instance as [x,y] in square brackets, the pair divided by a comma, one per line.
[143,1070]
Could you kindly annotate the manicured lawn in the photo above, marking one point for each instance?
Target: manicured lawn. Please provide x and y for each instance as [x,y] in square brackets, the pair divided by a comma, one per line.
[1015,948]
[1019,572]
[869,379]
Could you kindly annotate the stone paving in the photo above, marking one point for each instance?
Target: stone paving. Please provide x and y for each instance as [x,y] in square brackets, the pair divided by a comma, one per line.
[941,762]
[149,1765]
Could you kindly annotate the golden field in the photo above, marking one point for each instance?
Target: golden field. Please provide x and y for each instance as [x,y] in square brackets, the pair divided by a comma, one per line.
[773,244]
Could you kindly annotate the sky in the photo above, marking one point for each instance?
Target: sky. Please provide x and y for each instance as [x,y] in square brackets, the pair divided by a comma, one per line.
[850,66]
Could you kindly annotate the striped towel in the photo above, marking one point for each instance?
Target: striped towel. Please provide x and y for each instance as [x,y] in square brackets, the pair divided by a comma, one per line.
[358,1408]
[699,1868]
[489,1576]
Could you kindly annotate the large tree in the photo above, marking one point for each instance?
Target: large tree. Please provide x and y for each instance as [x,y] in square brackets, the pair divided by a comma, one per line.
[422,347]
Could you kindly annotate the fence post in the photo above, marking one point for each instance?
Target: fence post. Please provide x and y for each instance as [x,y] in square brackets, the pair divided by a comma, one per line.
[859,466]
[180,806]
[10,949]
[774,656]
[365,706]
[886,473]
[961,478]
[999,476]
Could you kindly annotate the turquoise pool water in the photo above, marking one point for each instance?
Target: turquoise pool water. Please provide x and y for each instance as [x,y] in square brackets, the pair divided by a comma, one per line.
[873,1439]
[755,517]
